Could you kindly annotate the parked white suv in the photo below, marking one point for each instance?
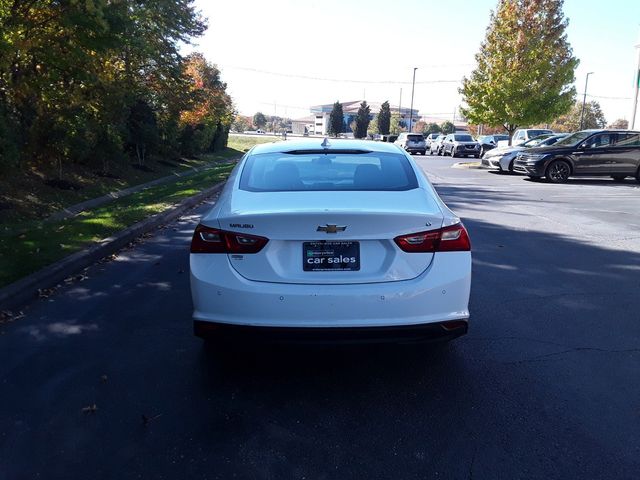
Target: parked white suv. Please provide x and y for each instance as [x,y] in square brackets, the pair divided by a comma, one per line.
[522,135]
[412,142]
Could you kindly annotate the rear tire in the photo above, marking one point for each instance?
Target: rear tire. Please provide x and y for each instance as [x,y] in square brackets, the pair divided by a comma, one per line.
[558,171]
[453,153]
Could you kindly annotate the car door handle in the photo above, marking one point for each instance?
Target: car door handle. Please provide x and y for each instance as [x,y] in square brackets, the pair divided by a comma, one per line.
[577,153]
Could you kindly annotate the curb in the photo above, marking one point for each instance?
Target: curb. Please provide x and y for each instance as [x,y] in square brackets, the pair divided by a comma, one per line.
[73,210]
[477,165]
[26,289]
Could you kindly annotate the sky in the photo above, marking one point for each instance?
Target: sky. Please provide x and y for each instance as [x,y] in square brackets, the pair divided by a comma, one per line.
[280,57]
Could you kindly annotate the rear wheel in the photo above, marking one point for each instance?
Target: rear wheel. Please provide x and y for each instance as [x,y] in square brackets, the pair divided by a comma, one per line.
[618,178]
[453,153]
[558,171]
[638,175]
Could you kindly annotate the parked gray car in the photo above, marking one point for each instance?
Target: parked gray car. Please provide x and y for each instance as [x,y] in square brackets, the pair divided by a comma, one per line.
[460,145]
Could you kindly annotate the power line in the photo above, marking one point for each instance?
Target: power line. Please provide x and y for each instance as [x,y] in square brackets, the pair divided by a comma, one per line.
[605,97]
[337,80]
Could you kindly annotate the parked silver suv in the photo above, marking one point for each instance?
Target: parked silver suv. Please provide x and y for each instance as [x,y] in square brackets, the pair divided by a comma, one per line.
[412,142]
[460,144]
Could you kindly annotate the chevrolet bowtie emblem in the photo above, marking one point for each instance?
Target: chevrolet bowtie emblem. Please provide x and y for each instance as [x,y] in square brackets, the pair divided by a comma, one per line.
[331,228]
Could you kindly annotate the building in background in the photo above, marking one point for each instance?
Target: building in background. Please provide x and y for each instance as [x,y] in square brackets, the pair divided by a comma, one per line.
[318,122]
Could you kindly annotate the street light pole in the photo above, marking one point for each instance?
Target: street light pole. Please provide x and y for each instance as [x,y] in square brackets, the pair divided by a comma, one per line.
[584,99]
[411,112]
[636,87]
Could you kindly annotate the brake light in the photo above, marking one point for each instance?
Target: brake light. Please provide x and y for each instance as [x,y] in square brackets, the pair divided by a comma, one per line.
[212,240]
[447,239]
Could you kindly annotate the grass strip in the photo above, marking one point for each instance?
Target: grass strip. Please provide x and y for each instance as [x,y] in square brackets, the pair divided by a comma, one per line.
[43,244]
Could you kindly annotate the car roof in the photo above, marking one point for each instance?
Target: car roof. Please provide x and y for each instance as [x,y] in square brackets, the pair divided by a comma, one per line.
[316,144]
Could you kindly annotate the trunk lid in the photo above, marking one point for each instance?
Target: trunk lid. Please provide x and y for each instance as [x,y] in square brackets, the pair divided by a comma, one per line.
[297,223]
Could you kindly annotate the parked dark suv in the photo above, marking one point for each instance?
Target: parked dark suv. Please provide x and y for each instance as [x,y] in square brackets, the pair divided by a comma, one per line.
[615,153]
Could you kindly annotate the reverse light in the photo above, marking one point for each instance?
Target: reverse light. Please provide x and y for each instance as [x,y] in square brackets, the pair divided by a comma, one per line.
[447,239]
[212,240]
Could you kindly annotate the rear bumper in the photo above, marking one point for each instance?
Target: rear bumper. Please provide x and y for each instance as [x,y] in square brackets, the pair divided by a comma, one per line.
[422,333]
[439,294]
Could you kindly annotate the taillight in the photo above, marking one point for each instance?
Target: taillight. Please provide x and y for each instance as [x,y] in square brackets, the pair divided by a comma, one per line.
[447,239]
[213,240]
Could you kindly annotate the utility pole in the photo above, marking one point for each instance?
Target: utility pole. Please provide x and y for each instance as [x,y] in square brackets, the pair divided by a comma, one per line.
[584,99]
[636,87]
[411,111]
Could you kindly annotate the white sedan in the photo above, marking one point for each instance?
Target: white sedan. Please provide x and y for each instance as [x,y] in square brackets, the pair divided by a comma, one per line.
[330,241]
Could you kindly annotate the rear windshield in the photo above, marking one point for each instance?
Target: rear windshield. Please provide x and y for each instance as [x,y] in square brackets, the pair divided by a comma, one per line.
[282,172]
[463,138]
[535,133]
[415,138]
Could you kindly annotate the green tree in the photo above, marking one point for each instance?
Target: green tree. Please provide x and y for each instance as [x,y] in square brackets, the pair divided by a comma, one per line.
[143,129]
[431,128]
[384,118]
[362,120]
[570,122]
[447,127]
[397,125]
[525,67]
[336,120]
[259,120]
[71,71]
[372,129]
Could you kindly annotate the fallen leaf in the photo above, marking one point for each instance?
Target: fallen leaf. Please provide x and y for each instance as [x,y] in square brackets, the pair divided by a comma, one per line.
[147,420]
[90,409]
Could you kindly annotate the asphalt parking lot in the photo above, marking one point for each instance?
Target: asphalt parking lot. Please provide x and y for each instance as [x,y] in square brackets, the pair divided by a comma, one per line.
[104,379]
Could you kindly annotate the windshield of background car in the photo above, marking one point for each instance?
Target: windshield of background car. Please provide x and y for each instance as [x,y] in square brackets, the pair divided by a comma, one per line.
[463,138]
[282,172]
[415,138]
[536,141]
[573,139]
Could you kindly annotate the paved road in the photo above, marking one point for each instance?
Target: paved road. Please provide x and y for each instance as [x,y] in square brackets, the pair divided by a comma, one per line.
[545,385]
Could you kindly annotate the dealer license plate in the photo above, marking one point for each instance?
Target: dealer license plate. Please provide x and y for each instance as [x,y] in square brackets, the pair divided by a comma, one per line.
[330,256]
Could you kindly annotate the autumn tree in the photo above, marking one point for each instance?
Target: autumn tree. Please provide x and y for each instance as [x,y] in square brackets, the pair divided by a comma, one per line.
[620,123]
[362,120]
[570,122]
[241,123]
[210,110]
[384,118]
[525,67]
[336,120]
